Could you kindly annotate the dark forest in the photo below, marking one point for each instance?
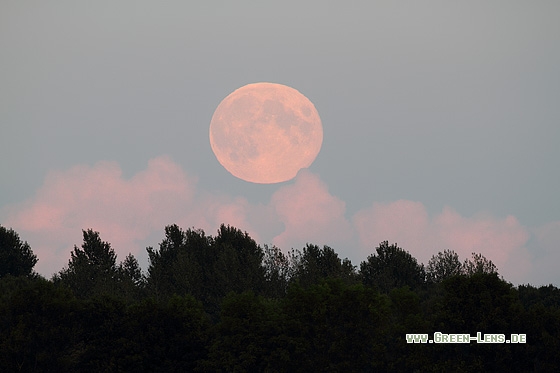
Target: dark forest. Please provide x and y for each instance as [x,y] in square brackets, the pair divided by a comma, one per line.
[224,303]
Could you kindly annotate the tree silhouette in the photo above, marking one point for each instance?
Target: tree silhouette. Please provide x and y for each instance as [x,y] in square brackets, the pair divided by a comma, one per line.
[443,265]
[92,269]
[189,262]
[478,264]
[224,304]
[315,264]
[391,267]
[239,261]
[16,257]
[278,271]
[160,278]
[131,280]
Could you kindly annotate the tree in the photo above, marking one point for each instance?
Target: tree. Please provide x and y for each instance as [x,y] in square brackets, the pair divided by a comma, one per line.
[131,280]
[443,265]
[16,257]
[38,326]
[391,267]
[334,326]
[315,264]
[541,323]
[160,279]
[189,262]
[238,266]
[478,264]
[481,302]
[166,336]
[91,269]
[278,271]
[247,335]
[130,269]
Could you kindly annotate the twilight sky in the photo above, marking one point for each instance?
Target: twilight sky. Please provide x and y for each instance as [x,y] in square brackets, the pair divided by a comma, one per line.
[441,125]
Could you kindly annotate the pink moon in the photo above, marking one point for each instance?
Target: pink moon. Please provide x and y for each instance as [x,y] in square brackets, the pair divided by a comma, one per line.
[265,133]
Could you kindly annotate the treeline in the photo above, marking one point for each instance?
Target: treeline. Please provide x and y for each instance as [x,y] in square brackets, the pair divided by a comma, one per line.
[224,303]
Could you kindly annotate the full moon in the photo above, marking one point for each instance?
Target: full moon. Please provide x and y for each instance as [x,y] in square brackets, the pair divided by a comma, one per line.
[265,133]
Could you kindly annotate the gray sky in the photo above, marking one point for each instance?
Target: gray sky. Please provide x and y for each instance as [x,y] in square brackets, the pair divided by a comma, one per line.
[441,123]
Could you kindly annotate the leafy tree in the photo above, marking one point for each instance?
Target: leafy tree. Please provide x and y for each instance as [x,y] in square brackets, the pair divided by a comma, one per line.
[167,336]
[131,280]
[315,264]
[334,327]
[91,269]
[481,302]
[172,335]
[189,262]
[39,327]
[239,261]
[478,264]
[406,317]
[224,304]
[443,265]
[541,323]
[161,279]
[391,267]
[16,257]
[248,335]
[130,269]
[548,295]
[184,264]
[278,271]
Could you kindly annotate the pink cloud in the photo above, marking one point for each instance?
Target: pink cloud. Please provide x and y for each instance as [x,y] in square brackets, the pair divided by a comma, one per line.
[404,222]
[310,214]
[500,240]
[126,212]
[210,211]
[98,197]
[407,223]
[132,213]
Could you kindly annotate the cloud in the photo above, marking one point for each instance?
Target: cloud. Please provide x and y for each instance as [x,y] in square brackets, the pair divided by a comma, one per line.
[310,214]
[127,212]
[209,211]
[123,211]
[406,222]
[501,240]
[132,213]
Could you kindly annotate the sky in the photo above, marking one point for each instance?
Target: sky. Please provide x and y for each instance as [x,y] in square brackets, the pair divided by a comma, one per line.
[441,125]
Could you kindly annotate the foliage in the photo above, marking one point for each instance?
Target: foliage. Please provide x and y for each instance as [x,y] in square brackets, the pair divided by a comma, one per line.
[91,269]
[131,281]
[478,264]
[145,336]
[278,270]
[335,326]
[16,257]
[225,304]
[189,262]
[443,265]
[391,267]
[315,264]
[247,336]
[39,326]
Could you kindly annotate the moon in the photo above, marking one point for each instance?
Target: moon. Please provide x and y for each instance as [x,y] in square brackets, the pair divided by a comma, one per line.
[265,133]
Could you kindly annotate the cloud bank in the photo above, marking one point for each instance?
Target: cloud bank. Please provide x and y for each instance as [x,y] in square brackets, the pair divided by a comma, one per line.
[501,240]
[131,213]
